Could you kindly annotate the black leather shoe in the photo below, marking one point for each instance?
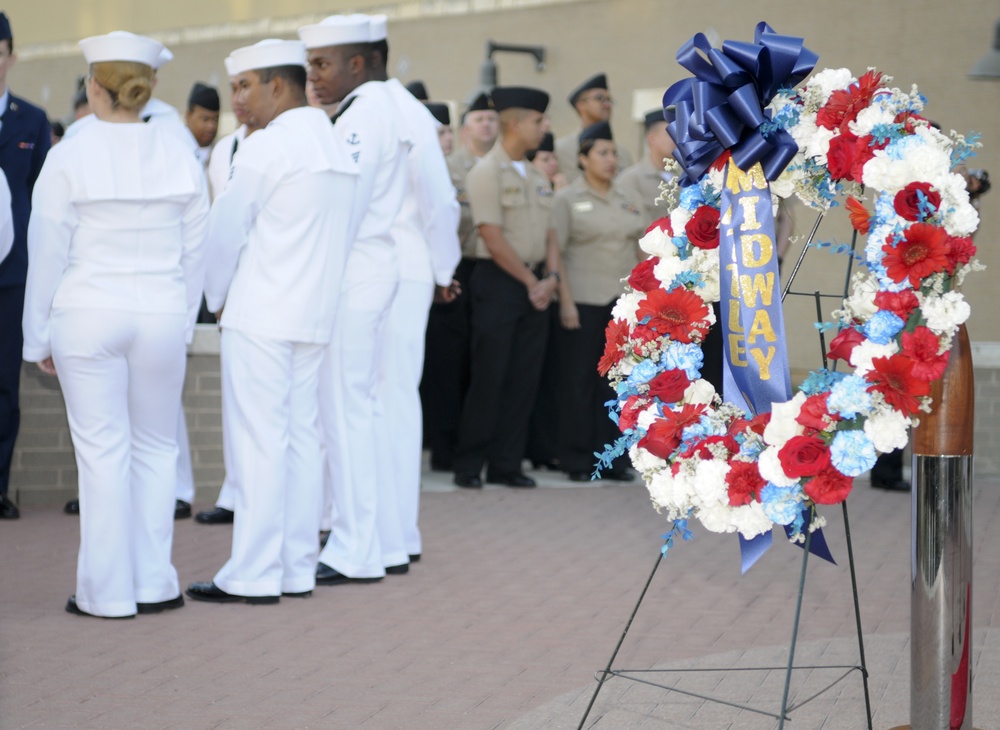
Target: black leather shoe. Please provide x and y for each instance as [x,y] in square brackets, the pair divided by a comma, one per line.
[398,569]
[327,576]
[217,516]
[579,476]
[161,606]
[72,507]
[71,607]
[182,510]
[897,485]
[300,594]
[8,510]
[208,591]
[468,482]
[511,480]
[550,464]
[415,558]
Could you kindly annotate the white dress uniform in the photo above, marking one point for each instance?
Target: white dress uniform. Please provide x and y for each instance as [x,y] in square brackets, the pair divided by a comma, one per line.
[427,252]
[6,219]
[114,284]
[278,253]
[221,162]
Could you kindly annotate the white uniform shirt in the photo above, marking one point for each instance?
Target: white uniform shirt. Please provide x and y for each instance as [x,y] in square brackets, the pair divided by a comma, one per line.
[108,233]
[157,113]
[221,161]
[378,147]
[6,219]
[277,246]
[426,229]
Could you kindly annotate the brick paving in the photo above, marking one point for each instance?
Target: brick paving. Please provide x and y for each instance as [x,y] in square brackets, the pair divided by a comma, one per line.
[520,597]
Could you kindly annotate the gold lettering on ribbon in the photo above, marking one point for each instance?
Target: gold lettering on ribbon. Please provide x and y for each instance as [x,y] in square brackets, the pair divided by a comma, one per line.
[763,361]
[762,284]
[749,203]
[737,351]
[757,249]
[737,180]
[761,327]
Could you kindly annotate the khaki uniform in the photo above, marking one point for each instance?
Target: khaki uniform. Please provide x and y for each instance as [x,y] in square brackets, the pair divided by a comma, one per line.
[567,149]
[459,163]
[520,205]
[597,237]
[641,182]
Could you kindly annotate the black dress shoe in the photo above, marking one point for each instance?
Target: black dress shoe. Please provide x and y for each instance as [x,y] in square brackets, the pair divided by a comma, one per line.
[511,480]
[896,485]
[398,569]
[182,510]
[217,516]
[550,464]
[208,591]
[8,510]
[579,476]
[415,558]
[468,481]
[72,507]
[327,576]
[161,606]
[71,607]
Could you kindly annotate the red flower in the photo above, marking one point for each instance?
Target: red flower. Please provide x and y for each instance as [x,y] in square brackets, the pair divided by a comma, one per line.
[703,228]
[615,338]
[744,483]
[721,160]
[901,303]
[679,314]
[641,335]
[908,201]
[922,251]
[702,450]
[642,277]
[843,105]
[669,386]
[829,487]
[840,158]
[804,456]
[960,251]
[864,150]
[910,121]
[664,435]
[757,424]
[814,414]
[844,343]
[631,409]
[662,224]
[922,346]
[861,219]
[893,378]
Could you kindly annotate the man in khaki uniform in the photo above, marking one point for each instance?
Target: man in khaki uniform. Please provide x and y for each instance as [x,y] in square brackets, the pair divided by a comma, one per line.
[512,286]
[642,180]
[449,328]
[592,102]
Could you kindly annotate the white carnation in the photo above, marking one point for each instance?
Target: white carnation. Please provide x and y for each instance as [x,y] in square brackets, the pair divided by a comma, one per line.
[870,117]
[783,425]
[946,312]
[770,468]
[887,429]
[829,80]
[751,521]
[668,267]
[864,353]
[709,482]
[646,418]
[657,243]
[706,263]
[626,306]
[819,144]
[644,461]
[884,173]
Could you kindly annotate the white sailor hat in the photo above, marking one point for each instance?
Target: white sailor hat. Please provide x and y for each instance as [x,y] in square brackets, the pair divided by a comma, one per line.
[164,58]
[120,45]
[378,28]
[337,30]
[228,61]
[266,54]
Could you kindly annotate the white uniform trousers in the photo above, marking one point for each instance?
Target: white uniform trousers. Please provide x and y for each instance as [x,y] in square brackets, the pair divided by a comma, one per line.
[357,454]
[121,374]
[226,499]
[270,394]
[402,421]
[185,474]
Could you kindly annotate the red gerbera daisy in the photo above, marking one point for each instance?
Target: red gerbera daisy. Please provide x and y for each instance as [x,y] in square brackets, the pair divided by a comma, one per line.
[922,251]
[923,347]
[893,378]
[744,483]
[861,219]
[679,314]
[900,303]
[664,435]
[615,338]
[844,104]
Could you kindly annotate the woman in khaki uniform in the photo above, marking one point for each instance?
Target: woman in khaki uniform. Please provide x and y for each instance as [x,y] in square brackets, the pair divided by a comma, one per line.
[597,228]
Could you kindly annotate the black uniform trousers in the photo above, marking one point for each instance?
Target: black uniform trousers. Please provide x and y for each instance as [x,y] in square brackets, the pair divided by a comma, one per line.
[446,369]
[583,416]
[11,346]
[508,347]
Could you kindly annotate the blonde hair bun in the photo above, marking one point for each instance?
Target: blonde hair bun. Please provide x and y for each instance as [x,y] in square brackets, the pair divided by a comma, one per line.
[129,83]
[134,93]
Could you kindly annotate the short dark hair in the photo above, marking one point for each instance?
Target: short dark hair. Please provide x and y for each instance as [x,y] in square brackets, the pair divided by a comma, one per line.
[292,75]
[382,48]
[586,145]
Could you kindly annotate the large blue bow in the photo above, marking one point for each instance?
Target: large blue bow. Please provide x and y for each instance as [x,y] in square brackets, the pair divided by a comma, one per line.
[722,107]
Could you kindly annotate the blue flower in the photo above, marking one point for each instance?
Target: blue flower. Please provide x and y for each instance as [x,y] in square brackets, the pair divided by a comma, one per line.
[643,373]
[852,453]
[883,327]
[691,197]
[781,504]
[849,397]
[686,357]
[820,381]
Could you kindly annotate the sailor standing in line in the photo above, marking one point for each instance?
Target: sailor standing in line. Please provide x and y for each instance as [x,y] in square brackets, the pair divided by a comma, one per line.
[344,67]
[641,181]
[114,281]
[277,255]
[593,103]
[427,251]
[220,167]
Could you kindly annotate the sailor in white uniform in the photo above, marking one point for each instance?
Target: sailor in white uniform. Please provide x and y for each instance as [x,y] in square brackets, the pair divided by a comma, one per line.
[427,252]
[278,249]
[341,58]
[114,282]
